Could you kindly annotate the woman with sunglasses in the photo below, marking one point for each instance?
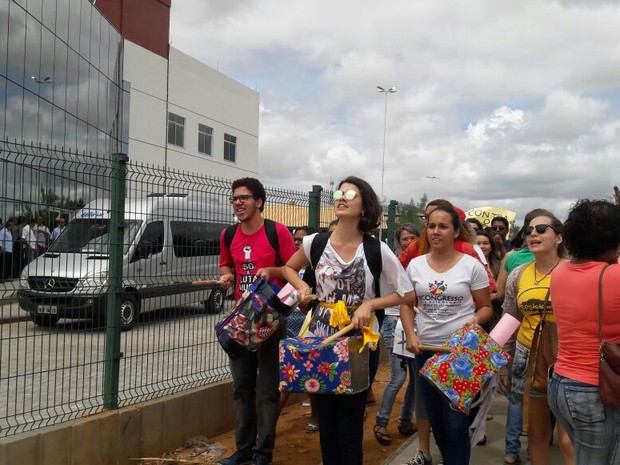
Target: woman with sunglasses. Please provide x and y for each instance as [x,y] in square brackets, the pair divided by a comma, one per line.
[452,290]
[592,234]
[342,274]
[526,297]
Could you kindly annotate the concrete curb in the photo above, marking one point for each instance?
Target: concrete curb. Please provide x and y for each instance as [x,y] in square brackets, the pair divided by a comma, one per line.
[407,445]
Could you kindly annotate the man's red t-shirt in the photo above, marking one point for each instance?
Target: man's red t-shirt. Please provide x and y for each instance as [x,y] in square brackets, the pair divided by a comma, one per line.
[251,252]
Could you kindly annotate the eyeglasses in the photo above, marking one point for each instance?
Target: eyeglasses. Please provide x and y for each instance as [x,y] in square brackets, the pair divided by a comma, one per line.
[540,229]
[423,216]
[347,195]
[499,228]
[240,198]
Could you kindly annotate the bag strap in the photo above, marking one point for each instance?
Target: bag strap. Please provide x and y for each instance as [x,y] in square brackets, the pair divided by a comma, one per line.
[372,251]
[531,363]
[600,305]
[272,236]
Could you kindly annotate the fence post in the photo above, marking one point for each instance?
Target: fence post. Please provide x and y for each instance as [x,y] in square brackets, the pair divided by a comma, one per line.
[391,223]
[113,336]
[314,207]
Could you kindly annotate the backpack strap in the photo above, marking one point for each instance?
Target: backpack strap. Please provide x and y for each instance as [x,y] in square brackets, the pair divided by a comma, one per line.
[229,234]
[272,236]
[372,251]
[317,247]
[270,231]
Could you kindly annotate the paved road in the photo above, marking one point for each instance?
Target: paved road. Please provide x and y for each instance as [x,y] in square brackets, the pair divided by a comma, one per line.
[46,373]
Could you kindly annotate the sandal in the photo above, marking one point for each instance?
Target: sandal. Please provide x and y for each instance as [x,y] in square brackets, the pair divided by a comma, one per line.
[382,435]
[407,430]
[312,427]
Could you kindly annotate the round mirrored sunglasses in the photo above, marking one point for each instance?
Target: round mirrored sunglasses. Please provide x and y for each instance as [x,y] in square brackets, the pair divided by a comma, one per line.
[347,195]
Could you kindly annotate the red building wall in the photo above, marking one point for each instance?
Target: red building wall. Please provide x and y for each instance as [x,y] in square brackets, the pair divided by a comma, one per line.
[143,22]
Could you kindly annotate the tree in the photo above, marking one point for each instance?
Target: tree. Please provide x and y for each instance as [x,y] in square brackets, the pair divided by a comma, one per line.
[408,212]
[50,205]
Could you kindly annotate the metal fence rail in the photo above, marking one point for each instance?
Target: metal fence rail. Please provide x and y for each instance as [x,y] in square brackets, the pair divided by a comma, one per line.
[52,368]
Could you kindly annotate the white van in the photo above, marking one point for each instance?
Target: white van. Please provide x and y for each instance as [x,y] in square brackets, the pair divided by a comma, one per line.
[169,241]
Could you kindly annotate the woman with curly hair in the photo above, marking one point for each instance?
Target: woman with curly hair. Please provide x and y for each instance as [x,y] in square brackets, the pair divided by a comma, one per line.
[343,275]
[592,236]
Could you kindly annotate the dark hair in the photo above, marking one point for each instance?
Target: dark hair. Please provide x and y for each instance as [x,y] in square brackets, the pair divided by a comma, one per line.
[254,186]
[557,226]
[519,239]
[476,222]
[307,229]
[501,219]
[372,212]
[592,228]
[494,261]
[456,221]
[438,202]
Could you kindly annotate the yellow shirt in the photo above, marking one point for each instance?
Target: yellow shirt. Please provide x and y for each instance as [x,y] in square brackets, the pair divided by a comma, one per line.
[531,302]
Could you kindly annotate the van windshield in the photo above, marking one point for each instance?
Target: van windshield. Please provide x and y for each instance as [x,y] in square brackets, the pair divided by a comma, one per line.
[91,235]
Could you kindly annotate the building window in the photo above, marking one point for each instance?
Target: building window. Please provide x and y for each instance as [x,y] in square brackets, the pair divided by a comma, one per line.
[230,147]
[205,135]
[176,129]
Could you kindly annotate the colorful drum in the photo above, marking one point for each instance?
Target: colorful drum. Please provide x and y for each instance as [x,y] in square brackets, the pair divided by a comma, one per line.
[461,374]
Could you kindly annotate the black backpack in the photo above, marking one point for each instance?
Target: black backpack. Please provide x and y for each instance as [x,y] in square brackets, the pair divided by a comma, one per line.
[270,231]
[372,251]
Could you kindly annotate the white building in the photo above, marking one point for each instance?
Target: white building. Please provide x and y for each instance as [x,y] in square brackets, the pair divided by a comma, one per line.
[185,115]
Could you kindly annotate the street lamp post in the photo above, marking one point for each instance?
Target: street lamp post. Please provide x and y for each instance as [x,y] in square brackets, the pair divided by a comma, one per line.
[386,92]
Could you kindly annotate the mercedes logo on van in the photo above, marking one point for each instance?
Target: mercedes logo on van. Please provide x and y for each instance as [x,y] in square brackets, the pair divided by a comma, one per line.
[50,284]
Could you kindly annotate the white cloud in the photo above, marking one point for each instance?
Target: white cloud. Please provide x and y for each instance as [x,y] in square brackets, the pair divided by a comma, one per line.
[508,104]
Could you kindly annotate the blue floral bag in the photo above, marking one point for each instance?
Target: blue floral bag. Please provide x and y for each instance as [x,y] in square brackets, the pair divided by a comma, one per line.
[461,374]
[335,368]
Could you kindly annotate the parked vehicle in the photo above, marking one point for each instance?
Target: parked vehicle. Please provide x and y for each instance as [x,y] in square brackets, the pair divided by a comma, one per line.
[168,242]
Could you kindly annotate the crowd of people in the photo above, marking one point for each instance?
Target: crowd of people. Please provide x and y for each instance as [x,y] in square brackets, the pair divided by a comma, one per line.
[453,273]
[22,241]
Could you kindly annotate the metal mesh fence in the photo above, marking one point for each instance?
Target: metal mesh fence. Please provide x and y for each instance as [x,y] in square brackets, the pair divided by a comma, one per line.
[54,362]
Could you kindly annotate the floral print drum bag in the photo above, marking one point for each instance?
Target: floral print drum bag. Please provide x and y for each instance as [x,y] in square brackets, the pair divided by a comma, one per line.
[462,373]
[339,367]
[256,316]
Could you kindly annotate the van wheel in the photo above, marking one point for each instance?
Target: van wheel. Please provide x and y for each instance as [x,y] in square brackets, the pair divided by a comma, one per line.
[215,303]
[129,311]
[44,320]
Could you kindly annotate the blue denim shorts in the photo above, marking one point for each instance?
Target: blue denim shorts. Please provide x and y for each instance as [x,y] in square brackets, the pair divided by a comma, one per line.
[519,369]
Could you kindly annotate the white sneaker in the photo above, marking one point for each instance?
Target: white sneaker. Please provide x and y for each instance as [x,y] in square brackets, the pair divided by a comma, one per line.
[420,459]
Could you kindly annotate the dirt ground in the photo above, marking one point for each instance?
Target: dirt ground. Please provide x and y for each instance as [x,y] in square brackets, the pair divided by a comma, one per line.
[293,444]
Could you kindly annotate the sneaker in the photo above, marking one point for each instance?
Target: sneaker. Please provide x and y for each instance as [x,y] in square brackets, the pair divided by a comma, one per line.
[420,459]
[240,457]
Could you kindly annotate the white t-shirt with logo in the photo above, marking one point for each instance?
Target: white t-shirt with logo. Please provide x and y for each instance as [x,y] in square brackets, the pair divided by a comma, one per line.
[444,299]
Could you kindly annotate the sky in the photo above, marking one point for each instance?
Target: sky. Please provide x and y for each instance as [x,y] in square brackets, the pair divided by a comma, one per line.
[513,105]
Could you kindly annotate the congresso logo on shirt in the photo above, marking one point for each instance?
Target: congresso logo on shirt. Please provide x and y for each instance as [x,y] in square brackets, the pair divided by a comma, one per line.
[437,287]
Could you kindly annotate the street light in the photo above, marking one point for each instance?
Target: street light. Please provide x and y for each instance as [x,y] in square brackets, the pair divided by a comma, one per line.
[386,92]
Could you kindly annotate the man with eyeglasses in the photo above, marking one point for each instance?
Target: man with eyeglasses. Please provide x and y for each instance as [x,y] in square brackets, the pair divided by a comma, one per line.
[255,374]
[499,229]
